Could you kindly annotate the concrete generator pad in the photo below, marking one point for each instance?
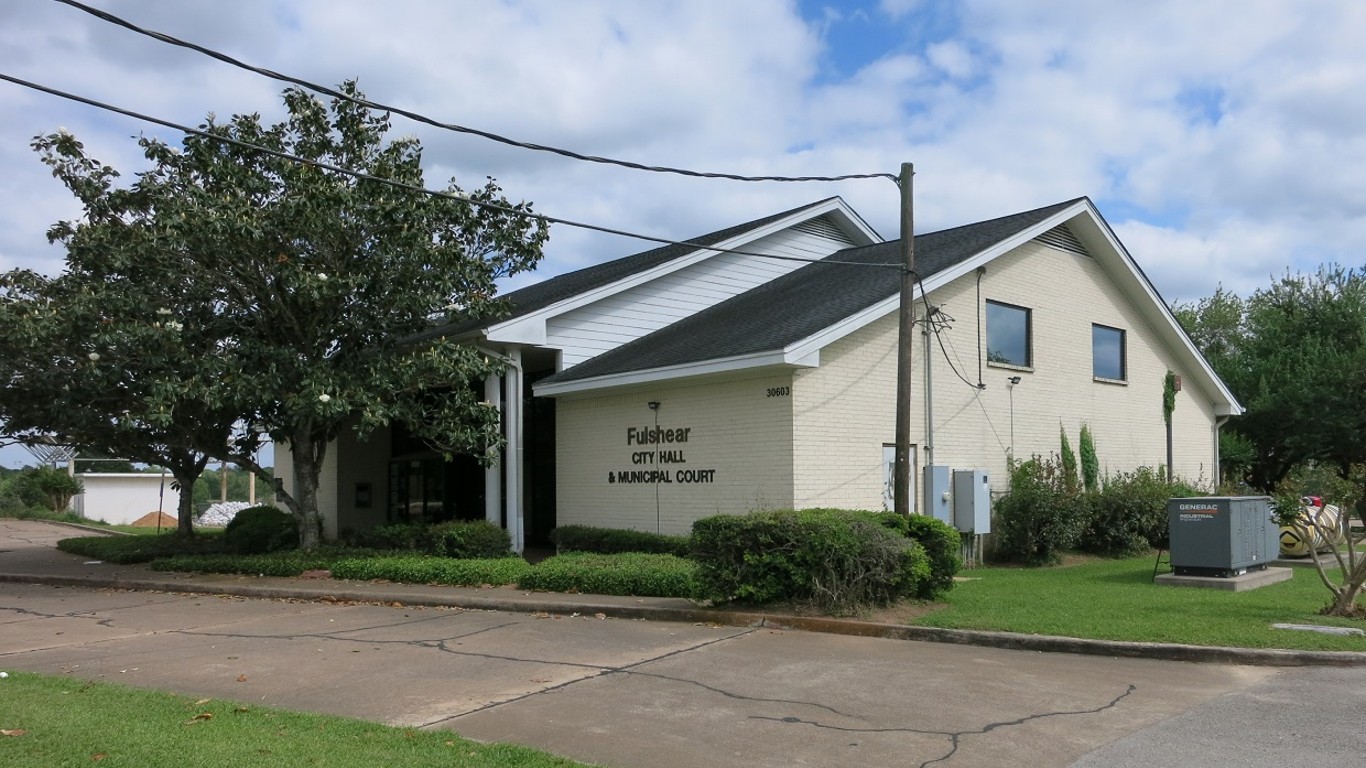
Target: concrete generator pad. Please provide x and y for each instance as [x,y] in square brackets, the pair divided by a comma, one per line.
[1240,583]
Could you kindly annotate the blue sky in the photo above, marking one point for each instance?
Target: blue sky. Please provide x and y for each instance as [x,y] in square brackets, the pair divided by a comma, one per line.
[1222,140]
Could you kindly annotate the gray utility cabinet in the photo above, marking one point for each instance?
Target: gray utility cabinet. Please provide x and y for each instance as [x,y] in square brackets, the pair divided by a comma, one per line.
[971,501]
[1221,535]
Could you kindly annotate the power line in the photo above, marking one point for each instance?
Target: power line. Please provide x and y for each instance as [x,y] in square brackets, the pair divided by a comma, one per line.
[171,40]
[413,187]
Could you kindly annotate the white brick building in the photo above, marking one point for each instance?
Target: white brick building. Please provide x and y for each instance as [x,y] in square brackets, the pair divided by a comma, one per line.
[681,382]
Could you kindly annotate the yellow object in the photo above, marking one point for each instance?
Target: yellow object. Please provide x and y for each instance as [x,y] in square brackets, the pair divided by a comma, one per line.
[1325,531]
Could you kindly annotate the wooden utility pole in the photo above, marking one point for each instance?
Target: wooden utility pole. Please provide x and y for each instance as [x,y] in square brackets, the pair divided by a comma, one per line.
[901,472]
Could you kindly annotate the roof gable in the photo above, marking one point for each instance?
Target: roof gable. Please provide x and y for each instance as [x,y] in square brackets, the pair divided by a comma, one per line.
[828,292]
[757,328]
[573,289]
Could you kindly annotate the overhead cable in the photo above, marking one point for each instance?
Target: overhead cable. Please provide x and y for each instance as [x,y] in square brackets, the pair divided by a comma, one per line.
[223,57]
[414,188]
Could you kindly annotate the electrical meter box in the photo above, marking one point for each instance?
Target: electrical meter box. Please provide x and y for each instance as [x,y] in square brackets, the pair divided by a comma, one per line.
[971,501]
[1221,535]
[938,494]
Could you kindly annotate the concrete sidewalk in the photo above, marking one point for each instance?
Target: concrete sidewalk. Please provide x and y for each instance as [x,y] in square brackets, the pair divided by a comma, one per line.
[28,554]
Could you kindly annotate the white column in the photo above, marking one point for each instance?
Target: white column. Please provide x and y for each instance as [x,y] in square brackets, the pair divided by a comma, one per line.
[493,474]
[512,425]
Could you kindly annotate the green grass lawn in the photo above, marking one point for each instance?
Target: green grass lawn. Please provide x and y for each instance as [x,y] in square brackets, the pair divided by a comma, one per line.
[56,721]
[1117,600]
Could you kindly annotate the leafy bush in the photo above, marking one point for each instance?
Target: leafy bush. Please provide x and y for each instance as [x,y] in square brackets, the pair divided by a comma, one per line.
[631,573]
[1129,514]
[459,539]
[261,529]
[57,486]
[1037,519]
[19,492]
[426,569]
[470,539]
[403,537]
[125,550]
[944,547]
[835,560]
[607,541]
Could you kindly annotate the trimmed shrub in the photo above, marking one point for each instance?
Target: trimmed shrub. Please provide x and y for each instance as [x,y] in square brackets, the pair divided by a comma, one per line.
[125,550]
[835,560]
[1129,514]
[403,537]
[630,573]
[261,529]
[608,541]
[469,539]
[1037,519]
[943,546]
[425,569]
[291,563]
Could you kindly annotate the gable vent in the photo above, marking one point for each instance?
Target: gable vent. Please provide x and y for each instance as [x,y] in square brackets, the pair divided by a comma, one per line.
[822,226]
[1061,237]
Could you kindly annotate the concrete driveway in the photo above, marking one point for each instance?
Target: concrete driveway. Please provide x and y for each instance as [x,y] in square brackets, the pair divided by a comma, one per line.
[616,692]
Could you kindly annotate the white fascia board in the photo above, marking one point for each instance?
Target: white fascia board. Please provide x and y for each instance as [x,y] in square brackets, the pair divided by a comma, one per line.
[673,372]
[1095,230]
[862,233]
[531,327]
[522,330]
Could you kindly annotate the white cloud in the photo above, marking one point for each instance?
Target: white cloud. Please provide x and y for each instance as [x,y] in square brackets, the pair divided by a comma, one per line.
[1222,139]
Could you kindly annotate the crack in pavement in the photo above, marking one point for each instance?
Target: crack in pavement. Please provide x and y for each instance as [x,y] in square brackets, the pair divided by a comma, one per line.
[955,737]
[630,669]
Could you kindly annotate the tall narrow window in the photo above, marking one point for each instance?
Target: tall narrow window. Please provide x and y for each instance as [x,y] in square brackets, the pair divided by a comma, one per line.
[1107,353]
[1008,335]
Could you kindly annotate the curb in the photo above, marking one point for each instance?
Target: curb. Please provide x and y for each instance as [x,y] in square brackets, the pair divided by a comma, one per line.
[1268,657]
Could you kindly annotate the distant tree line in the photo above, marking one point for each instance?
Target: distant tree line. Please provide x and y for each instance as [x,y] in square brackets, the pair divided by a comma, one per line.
[1294,354]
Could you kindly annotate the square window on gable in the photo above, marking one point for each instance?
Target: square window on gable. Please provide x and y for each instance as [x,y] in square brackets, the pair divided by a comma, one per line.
[1009,335]
[1108,360]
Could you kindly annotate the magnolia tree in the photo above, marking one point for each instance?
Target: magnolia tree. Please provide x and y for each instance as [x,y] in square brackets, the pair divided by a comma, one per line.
[307,289]
[96,363]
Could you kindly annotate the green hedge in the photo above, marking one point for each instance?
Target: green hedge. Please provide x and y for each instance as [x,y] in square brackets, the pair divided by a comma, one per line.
[944,547]
[608,541]
[290,563]
[1128,516]
[261,529]
[427,569]
[835,560]
[125,550]
[471,539]
[634,573]
[458,538]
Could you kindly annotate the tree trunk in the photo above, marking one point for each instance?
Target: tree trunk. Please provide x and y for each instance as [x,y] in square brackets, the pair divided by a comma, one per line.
[185,501]
[308,458]
[1345,601]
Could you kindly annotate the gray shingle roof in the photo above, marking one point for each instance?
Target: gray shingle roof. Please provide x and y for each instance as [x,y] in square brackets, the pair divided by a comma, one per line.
[565,286]
[800,303]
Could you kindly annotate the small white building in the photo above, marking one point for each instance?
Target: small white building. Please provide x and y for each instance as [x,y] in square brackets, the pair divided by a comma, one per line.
[683,381]
[120,498]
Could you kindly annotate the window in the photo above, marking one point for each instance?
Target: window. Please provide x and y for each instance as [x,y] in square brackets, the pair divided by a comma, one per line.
[1107,353]
[1008,335]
